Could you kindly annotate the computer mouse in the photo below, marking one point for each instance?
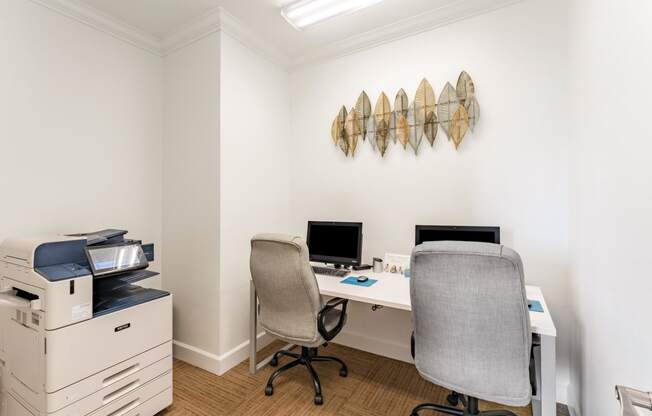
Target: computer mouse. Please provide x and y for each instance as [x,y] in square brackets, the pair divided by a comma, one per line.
[362,279]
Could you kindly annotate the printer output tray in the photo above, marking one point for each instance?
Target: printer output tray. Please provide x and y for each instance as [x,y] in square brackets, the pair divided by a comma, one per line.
[109,301]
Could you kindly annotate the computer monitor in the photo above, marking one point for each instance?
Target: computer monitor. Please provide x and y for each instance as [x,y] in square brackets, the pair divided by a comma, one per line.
[339,243]
[456,233]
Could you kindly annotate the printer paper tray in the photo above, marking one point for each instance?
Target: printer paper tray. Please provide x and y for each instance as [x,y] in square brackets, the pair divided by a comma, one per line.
[129,392]
[143,367]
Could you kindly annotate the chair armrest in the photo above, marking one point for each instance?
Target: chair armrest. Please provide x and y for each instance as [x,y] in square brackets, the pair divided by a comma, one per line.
[412,345]
[321,318]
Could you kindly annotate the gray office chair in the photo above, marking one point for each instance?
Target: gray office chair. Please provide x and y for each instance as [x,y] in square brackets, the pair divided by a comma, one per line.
[471,324]
[291,308]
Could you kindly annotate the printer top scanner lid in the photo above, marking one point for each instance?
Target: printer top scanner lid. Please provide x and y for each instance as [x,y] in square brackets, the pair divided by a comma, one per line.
[107,236]
[64,257]
[42,251]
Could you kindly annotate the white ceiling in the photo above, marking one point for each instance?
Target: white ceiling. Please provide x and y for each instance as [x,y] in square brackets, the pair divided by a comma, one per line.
[162,18]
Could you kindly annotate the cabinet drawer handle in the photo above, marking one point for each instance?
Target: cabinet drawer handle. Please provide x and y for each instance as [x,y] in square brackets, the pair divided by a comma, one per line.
[126,408]
[121,391]
[120,374]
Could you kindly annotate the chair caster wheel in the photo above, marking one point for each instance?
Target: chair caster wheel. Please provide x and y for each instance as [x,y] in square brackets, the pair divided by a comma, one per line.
[273,362]
[319,400]
[344,372]
[269,390]
[453,399]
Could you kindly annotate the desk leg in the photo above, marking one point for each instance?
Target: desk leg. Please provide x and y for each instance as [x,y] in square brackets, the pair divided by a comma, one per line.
[548,376]
[253,327]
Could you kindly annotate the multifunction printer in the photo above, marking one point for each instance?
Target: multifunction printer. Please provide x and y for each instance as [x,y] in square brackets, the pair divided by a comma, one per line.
[77,335]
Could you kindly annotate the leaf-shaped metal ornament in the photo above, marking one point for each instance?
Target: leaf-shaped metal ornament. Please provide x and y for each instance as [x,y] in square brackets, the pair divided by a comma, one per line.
[335,130]
[401,103]
[353,130]
[371,132]
[383,110]
[402,130]
[446,107]
[459,126]
[338,125]
[401,106]
[415,130]
[473,109]
[424,101]
[465,88]
[343,142]
[431,127]
[382,136]
[363,106]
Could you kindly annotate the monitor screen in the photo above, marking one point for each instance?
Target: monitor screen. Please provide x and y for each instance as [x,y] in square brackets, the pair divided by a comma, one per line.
[335,242]
[456,233]
[116,258]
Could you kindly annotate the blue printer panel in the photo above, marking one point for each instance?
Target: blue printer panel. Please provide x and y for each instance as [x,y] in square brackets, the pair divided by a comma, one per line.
[61,260]
[63,271]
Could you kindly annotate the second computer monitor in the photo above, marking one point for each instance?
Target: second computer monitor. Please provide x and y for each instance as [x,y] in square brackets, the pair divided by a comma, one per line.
[335,242]
[456,233]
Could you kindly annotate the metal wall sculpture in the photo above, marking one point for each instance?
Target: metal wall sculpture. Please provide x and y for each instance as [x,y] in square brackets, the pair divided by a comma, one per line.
[457,112]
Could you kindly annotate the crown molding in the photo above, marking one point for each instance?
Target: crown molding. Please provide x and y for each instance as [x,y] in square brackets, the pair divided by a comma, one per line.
[220,20]
[191,32]
[404,28]
[104,23]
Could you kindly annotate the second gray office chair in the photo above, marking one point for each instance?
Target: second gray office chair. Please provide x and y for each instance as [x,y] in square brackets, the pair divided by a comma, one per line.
[291,308]
[471,324]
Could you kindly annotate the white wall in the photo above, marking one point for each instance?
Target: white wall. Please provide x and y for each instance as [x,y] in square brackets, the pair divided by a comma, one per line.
[512,172]
[80,128]
[254,178]
[612,201]
[191,197]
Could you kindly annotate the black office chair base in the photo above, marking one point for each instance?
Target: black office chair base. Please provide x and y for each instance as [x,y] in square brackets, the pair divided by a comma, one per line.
[306,358]
[470,408]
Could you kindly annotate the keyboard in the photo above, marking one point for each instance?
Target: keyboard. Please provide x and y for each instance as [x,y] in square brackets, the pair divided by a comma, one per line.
[330,271]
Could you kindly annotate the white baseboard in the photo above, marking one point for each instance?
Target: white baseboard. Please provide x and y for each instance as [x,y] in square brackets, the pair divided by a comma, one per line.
[378,346]
[216,364]
[572,402]
[196,356]
[401,352]
[235,356]
[562,392]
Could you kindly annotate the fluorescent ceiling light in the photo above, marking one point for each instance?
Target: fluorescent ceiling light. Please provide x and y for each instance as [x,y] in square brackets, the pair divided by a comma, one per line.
[308,12]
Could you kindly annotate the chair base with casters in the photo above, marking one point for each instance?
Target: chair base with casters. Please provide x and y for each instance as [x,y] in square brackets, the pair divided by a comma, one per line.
[470,407]
[306,358]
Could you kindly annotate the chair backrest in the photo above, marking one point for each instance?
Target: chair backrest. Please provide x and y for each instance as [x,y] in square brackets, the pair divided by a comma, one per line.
[471,320]
[287,289]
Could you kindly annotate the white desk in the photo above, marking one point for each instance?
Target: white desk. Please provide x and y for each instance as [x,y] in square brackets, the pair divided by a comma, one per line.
[393,291]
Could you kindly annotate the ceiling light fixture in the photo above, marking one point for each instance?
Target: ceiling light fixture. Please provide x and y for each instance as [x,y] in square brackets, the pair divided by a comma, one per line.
[303,13]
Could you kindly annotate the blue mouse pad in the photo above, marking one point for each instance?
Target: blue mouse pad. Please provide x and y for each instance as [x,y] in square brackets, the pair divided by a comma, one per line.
[535,306]
[353,280]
